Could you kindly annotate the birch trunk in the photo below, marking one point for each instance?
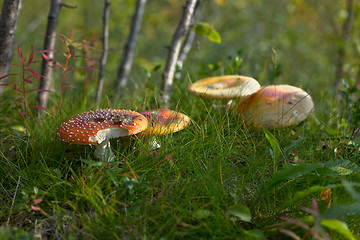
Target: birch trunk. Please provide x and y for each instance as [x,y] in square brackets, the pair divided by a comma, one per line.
[129,51]
[103,60]
[8,19]
[188,42]
[46,70]
[174,50]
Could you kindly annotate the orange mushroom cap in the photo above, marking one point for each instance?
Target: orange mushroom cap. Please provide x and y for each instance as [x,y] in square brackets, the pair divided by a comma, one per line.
[275,106]
[224,87]
[96,126]
[164,121]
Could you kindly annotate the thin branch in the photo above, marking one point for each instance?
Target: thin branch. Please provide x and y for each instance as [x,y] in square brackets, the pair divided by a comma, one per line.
[68,6]
[174,49]
[103,59]
[8,19]
[129,51]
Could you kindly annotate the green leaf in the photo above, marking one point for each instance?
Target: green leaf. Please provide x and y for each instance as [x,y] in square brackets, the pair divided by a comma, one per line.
[156,68]
[214,36]
[339,227]
[342,167]
[274,143]
[202,28]
[256,234]
[240,211]
[205,29]
[203,213]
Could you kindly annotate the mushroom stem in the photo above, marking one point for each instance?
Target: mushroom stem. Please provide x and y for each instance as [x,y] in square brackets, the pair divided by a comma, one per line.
[154,144]
[103,151]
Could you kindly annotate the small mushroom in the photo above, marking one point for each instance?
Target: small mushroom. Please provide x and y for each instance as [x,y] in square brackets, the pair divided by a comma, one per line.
[275,106]
[163,121]
[97,127]
[224,87]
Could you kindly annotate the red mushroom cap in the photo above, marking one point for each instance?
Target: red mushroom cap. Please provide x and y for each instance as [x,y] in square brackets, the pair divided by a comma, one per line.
[164,121]
[95,126]
[275,106]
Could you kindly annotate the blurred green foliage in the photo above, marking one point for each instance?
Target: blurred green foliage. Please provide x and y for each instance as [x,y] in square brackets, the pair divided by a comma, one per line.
[305,35]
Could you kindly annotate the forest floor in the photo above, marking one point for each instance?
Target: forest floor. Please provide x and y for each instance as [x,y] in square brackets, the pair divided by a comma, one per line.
[217,178]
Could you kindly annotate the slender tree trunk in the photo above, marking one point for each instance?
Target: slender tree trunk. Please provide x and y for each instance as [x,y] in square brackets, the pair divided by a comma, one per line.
[346,32]
[46,70]
[185,50]
[103,59]
[188,42]
[174,49]
[129,51]
[8,19]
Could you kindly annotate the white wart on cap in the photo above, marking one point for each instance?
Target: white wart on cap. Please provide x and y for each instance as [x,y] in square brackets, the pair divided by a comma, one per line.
[97,127]
[276,106]
[224,87]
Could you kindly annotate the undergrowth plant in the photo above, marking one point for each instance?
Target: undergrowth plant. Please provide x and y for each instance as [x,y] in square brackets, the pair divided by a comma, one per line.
[71,46]
[27,75]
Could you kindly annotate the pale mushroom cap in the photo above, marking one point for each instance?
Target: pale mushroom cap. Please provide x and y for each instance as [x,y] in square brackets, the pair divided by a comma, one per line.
[224,87]
[275,106]
[95,126]
[165,121]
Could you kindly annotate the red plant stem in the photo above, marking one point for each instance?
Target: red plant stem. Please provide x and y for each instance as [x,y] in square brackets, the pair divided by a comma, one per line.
[24,97]
[63,80]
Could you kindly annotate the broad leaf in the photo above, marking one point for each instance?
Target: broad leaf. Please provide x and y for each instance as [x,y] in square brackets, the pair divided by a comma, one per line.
[342,167]
[205,29]
[214,36]
[339,227]
[240,211]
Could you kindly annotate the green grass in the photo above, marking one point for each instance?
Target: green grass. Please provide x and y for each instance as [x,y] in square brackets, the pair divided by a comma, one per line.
[216,179]
[199,184]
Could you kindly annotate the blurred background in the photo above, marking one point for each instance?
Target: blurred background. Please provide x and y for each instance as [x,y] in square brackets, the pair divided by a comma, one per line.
[278,41]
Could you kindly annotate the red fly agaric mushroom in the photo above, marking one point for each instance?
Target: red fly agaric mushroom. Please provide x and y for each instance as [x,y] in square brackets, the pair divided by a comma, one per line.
[164,121]
[224,87]
[275,106]
[97,127]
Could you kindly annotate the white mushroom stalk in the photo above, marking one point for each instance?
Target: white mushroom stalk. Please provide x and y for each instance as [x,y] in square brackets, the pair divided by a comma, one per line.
[104,151]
